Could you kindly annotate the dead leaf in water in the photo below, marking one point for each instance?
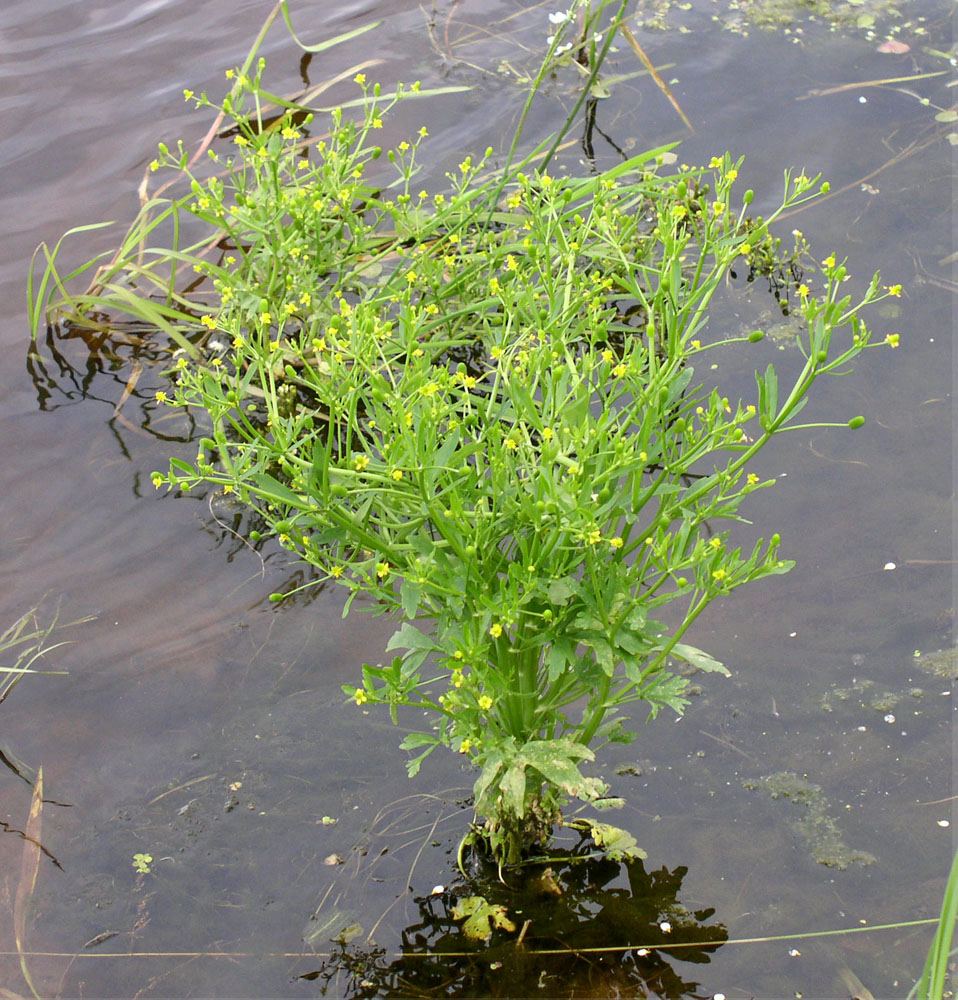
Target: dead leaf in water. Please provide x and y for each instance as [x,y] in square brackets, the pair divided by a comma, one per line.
[893,47]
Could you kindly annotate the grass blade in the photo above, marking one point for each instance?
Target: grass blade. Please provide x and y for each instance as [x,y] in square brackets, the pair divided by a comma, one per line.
[29,867]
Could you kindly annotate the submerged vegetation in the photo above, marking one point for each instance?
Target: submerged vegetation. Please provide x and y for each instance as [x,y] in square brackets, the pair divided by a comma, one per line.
[485,409]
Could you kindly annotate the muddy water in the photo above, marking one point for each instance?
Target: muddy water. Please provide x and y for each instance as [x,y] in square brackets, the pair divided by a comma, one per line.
[203,726]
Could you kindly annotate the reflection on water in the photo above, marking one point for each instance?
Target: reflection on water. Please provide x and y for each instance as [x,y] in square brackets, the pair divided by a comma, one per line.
[573,923]
[206,727]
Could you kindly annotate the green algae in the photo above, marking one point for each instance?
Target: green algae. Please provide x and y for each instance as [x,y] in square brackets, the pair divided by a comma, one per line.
[942,663]
[819,830]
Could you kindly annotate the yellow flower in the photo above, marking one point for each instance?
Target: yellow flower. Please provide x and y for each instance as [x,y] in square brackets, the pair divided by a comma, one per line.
[716,543]
[496,353]
[485,703]
[495,630]
[720,574]
[154,165]
[594,536]
[359,78]
[894,290]
[265,318]
[465,746]
[230,73]
[161,396]
[547,433]
[361,697]
[803,290]
[732,175]
[241,140]
[377,123]
[397,474]
[697,344]
[208,321]
[829,261]
[643,456]
[336,572]
[752,479]
[382,570]
[361,462]
[157,479]
[187,94]
[892,339]
[616,543]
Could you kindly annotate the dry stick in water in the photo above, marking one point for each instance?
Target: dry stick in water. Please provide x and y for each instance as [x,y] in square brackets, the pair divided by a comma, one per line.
[29,867]
[647,62]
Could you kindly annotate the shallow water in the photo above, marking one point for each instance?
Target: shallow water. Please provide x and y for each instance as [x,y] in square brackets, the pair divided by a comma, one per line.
[205,727]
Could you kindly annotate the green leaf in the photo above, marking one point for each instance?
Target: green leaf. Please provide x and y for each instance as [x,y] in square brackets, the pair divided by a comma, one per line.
[513,788]
[560,771]
[330,42]
[666,689]
[413,741]
[600,90]
[409,637]
[561,590]
[614,841]
[273,489]
[410,594]
[699,658]
[481,917]
[558,657]
[181,466]
[441,459]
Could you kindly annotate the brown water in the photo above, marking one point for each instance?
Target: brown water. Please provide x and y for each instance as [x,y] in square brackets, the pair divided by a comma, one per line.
[190,682]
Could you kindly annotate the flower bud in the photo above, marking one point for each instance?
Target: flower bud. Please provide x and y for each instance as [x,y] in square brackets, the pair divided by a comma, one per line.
[856,422]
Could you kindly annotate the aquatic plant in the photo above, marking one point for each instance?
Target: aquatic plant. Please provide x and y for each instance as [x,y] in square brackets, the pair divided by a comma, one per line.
[931,984]
[486,411]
